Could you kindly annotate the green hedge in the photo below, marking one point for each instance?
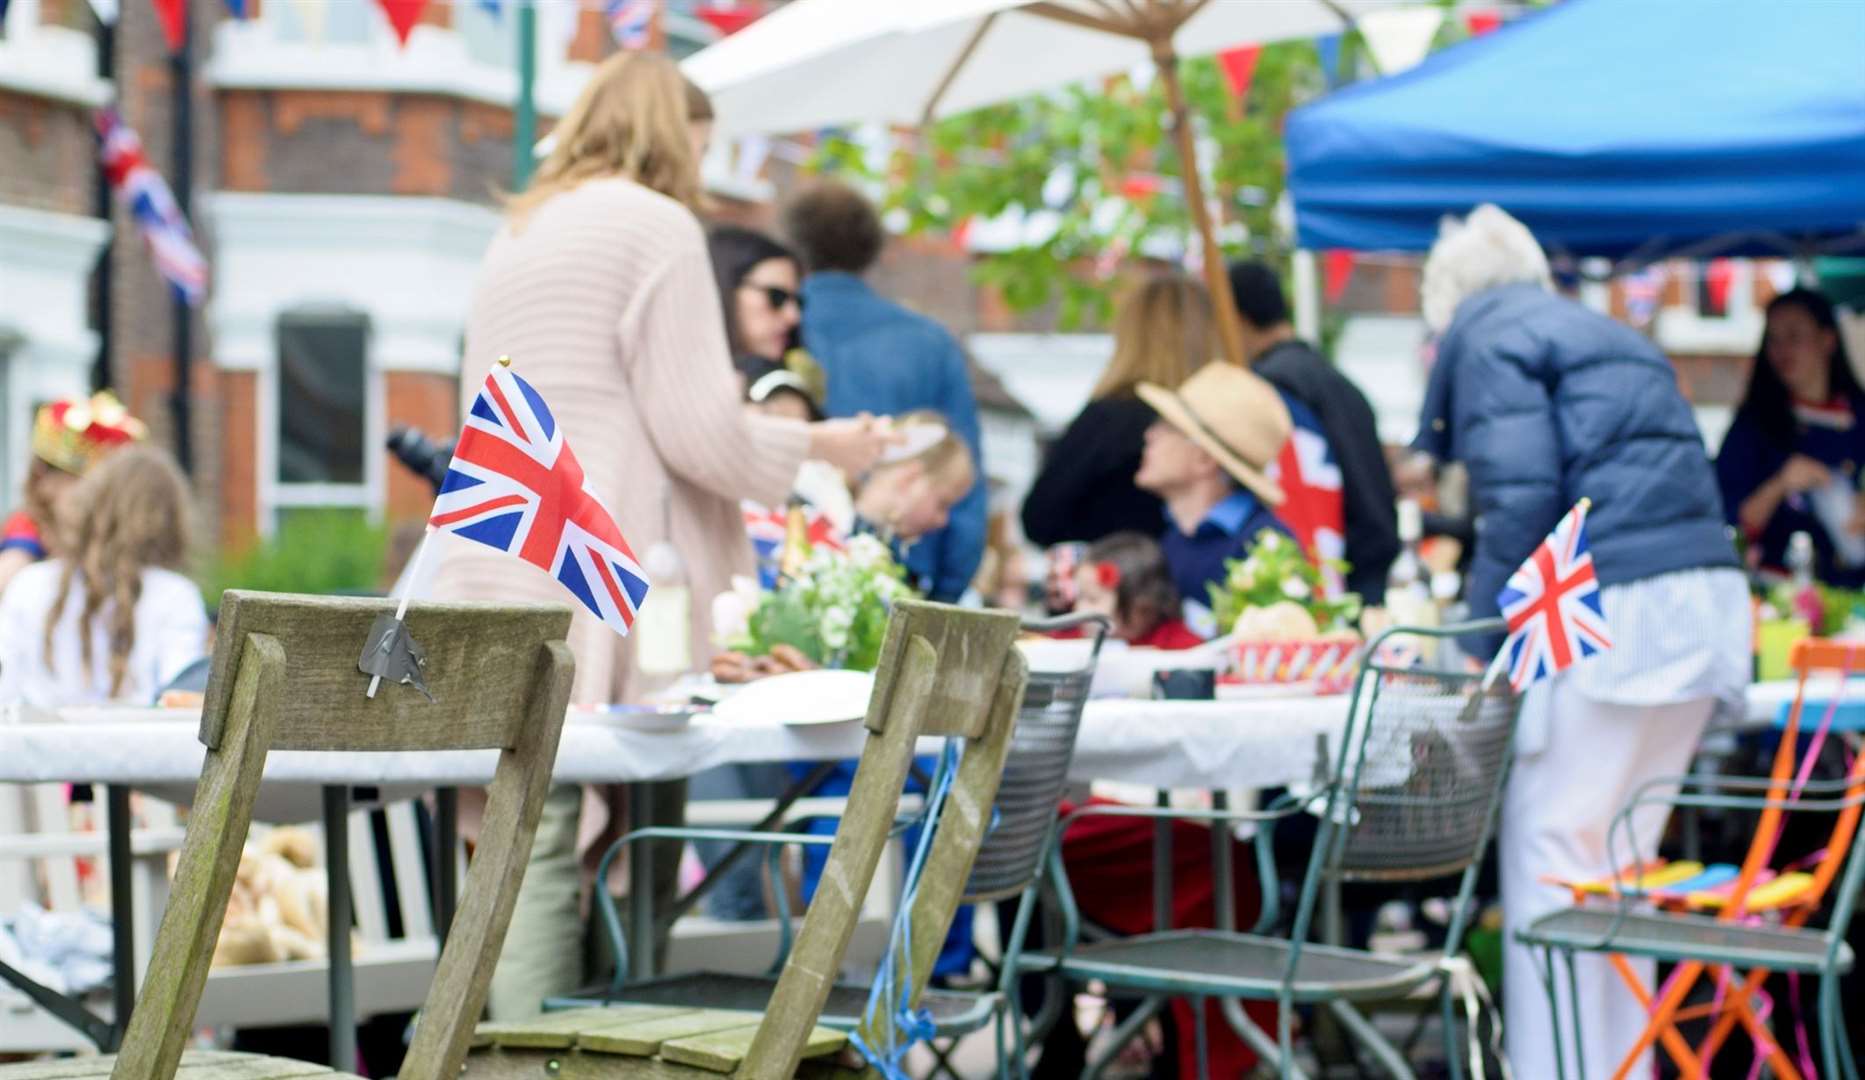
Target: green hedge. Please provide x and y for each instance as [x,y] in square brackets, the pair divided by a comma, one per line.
[312,551]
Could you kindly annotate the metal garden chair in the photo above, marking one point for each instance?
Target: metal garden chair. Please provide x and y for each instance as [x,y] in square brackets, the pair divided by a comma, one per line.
[1412,797]
[1760,924]
[285,677]
[944,671]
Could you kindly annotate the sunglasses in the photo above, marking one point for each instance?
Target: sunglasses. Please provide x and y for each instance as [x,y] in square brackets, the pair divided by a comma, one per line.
[777,297]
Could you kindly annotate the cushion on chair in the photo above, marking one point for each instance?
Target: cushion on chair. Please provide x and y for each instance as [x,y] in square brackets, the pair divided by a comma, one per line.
[1220,963]
[1684,937]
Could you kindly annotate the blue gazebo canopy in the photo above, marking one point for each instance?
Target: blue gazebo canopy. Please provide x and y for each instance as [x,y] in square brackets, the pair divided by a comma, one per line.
[1611,127]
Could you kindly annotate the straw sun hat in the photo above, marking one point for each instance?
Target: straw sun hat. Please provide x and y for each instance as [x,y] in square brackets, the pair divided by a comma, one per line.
[1233,415]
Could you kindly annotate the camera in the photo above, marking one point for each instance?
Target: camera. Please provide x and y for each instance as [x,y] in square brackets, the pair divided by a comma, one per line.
[423,455]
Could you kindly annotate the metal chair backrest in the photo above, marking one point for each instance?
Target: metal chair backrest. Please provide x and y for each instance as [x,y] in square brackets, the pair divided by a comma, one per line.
[1036,773]
[285,676]
[943,671]
[1419,776]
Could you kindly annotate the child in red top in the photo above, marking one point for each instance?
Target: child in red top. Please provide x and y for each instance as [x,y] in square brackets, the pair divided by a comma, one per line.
[1124,577]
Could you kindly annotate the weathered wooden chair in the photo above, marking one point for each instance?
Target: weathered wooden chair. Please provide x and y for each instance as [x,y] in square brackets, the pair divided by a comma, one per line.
[943,671]
[285,677]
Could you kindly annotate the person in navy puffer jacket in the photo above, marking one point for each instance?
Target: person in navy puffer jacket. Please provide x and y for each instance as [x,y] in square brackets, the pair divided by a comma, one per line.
[1547,402]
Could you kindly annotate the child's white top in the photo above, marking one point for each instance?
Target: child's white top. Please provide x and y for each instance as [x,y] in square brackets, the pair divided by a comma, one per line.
[171,633]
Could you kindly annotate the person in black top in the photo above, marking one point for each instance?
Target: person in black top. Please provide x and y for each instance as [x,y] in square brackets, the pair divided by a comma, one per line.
[1085,491]
[1295,368]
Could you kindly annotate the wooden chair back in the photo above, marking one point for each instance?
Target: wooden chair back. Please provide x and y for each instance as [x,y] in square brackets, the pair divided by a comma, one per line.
[943,671]
[285,675]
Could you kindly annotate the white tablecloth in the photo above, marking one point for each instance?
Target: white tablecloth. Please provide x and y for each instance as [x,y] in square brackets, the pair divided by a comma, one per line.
[1169,744]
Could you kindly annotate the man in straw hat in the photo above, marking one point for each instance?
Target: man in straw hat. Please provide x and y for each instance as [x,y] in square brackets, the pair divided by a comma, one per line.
[1209,457]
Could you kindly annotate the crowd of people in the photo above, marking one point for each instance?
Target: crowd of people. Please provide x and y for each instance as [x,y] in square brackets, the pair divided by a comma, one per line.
[708,377]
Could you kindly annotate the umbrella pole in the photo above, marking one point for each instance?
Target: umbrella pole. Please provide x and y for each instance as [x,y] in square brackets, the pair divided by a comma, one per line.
[1224,306]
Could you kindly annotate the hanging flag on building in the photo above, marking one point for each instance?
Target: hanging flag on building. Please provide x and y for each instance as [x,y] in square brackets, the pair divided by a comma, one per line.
[173,15]
[514,484]
[402,15]
[147,196]
[631,21]
[1552,606]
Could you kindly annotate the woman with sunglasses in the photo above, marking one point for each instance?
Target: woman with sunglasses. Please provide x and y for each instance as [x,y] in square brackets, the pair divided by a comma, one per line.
[759,280]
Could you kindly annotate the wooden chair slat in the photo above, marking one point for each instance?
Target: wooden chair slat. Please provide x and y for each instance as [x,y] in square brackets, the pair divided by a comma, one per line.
[195,1064]
[253,1068]
[724,1051]
[645,1039]
[961,696]
[477,659]
[559,1030]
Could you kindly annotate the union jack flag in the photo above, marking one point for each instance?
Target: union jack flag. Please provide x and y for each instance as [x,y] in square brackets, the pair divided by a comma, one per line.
[1310,478]
[515,485]
[768,529]
[1552,606]
[631,21]
[152,204]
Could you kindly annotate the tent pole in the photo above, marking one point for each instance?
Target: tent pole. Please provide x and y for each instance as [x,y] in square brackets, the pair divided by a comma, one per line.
[1223,305]
[1307,291]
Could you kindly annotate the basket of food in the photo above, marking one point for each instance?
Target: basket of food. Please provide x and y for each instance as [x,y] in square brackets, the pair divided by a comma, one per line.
[1287,624]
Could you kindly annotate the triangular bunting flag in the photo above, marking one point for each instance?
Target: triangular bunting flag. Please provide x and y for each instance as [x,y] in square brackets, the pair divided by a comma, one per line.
[1239,67]
[3,4]
[1400,37]
[173,16]
[1336,272]
[494,8]
[403,15]
[728,17]
[1327,47]
[1482,22]
[105,10]
[236,8]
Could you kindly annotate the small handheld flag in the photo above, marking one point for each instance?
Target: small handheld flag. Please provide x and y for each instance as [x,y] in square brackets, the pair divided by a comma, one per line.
[631,22]
[1552,606]
[515,485]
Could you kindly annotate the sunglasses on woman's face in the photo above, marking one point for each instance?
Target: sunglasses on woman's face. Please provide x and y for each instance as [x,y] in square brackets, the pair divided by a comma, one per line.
[777,296]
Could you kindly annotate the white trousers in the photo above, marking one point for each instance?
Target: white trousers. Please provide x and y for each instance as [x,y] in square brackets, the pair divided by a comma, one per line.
[1561,800]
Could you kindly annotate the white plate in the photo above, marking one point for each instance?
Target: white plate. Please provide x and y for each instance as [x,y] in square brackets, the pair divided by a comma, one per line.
[637,717]
[801,697]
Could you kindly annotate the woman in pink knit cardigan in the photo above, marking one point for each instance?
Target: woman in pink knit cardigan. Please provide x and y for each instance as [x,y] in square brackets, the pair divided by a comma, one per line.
[600,288]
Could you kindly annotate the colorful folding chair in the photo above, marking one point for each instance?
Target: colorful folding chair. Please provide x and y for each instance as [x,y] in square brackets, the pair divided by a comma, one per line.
[1737,923]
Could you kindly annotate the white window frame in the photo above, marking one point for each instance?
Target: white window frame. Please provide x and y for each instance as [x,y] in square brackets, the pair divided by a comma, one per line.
[275,494]
[49,61]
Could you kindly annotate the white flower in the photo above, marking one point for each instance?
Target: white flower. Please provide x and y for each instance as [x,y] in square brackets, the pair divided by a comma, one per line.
[1269,540]
[731,617]
[1296,589]
[836,622]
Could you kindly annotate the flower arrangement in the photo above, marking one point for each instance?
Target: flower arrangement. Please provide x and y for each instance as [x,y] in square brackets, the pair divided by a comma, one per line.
[834,611]
[1278,577]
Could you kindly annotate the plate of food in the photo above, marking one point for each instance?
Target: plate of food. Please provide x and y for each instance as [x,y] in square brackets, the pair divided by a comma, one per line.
[800,698]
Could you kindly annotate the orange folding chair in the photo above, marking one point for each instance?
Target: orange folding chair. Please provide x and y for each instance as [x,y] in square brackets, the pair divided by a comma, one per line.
[1737,924]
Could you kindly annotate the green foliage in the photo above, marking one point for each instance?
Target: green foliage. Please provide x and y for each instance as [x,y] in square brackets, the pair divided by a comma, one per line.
[313,551]
[834,612]
[1275,571]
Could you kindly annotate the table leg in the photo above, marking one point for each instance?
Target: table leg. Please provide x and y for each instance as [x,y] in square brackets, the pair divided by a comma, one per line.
[1224,890]
[640,886]
[446,859]
[342,976]
[122,915]
[1162,865]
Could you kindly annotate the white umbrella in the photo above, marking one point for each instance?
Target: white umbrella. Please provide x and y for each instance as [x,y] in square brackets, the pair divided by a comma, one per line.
[818,63]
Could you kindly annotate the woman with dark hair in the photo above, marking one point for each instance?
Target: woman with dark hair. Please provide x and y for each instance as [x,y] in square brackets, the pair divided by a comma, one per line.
[760,283]
[1790,462]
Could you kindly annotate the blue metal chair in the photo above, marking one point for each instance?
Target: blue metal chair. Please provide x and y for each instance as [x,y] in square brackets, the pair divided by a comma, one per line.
[1412,796]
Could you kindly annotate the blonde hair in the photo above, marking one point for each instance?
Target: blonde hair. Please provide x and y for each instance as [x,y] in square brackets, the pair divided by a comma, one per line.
[1162,333]
[1486,249]
[631,121]
[131,514]
[942,459]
